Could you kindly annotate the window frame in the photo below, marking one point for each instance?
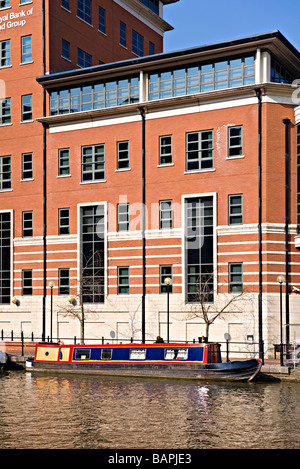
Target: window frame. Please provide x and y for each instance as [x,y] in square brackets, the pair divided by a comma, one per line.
[200,163]
[123,288]
[231,206]
[164,146]
[162,211]
[27,218]
[232,148]
[235,284]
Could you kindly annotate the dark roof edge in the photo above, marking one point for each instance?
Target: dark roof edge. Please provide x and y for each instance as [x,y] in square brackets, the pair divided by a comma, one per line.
[169,55]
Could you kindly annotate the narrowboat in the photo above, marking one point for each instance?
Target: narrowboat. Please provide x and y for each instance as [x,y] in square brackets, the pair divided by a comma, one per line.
[162,360]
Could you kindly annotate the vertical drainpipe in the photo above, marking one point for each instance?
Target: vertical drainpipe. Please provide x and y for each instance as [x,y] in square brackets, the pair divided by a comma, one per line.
[260,322]
[44,188]
[286,122]
[142,112]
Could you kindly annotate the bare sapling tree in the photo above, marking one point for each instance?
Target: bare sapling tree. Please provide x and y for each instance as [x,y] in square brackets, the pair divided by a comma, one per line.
[89,288]
[210,306]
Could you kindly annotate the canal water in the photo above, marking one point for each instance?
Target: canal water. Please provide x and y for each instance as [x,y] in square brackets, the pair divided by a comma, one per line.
[90,412]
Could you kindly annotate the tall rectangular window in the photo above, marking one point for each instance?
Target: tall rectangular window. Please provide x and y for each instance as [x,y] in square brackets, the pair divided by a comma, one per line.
[27,224]
[65,49]
[26,49]
[235,277]
[64,161]
[27,166]
[165,214]
[5,257]
[83,58]
[123,217]
[93,163]
[5,111]
[123,280]
[235,209]
[63,221]
[5,53]
[151,48]
[199,248]
[137,44]
[102,25]
[235,141]
[84,10]
[27,108]
[63,281]
[165,149]
[199,150]
[165,271]
[93,253]
[26,282]
[123,155]
[5,173]
[122,34]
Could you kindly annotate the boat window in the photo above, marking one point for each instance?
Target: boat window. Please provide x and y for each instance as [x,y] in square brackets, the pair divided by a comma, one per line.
[82,353]
[176,354]
[138,354]
[106,353]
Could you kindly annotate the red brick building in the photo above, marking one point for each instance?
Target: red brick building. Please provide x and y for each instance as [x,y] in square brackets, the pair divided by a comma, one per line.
[163,166]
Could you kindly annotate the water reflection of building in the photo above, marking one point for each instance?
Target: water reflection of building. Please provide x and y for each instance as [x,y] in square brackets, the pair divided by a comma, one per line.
[168,165]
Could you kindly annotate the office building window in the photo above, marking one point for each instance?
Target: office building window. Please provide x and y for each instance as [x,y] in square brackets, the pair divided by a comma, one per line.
[65,49]
[27,166]
[102,20]
[5,173]
[123,217]
[65,4]
[27,224]
[63,281]
[152,4]
[165,271]
[63,221]
[165,149]
[137,44]
[93,253]
[236,278]
[122,34]
[151,48]
[84,10]
[27,108]
[64,161]
[199,249]
[83,59]
[26,49]
[199,150]
[123,155]
[279,74]
[201,78]
[5,257]
[235,141]
[5,111]
[97,96]
[5,53]
[4,3]
[26,282]
[93,163]
[235,209]
[123,280]
[165,214]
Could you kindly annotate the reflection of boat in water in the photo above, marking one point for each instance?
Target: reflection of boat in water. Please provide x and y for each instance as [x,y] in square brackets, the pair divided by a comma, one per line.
[164,360]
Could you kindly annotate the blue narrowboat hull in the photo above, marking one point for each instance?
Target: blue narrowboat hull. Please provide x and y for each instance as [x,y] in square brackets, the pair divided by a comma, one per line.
[234,371]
